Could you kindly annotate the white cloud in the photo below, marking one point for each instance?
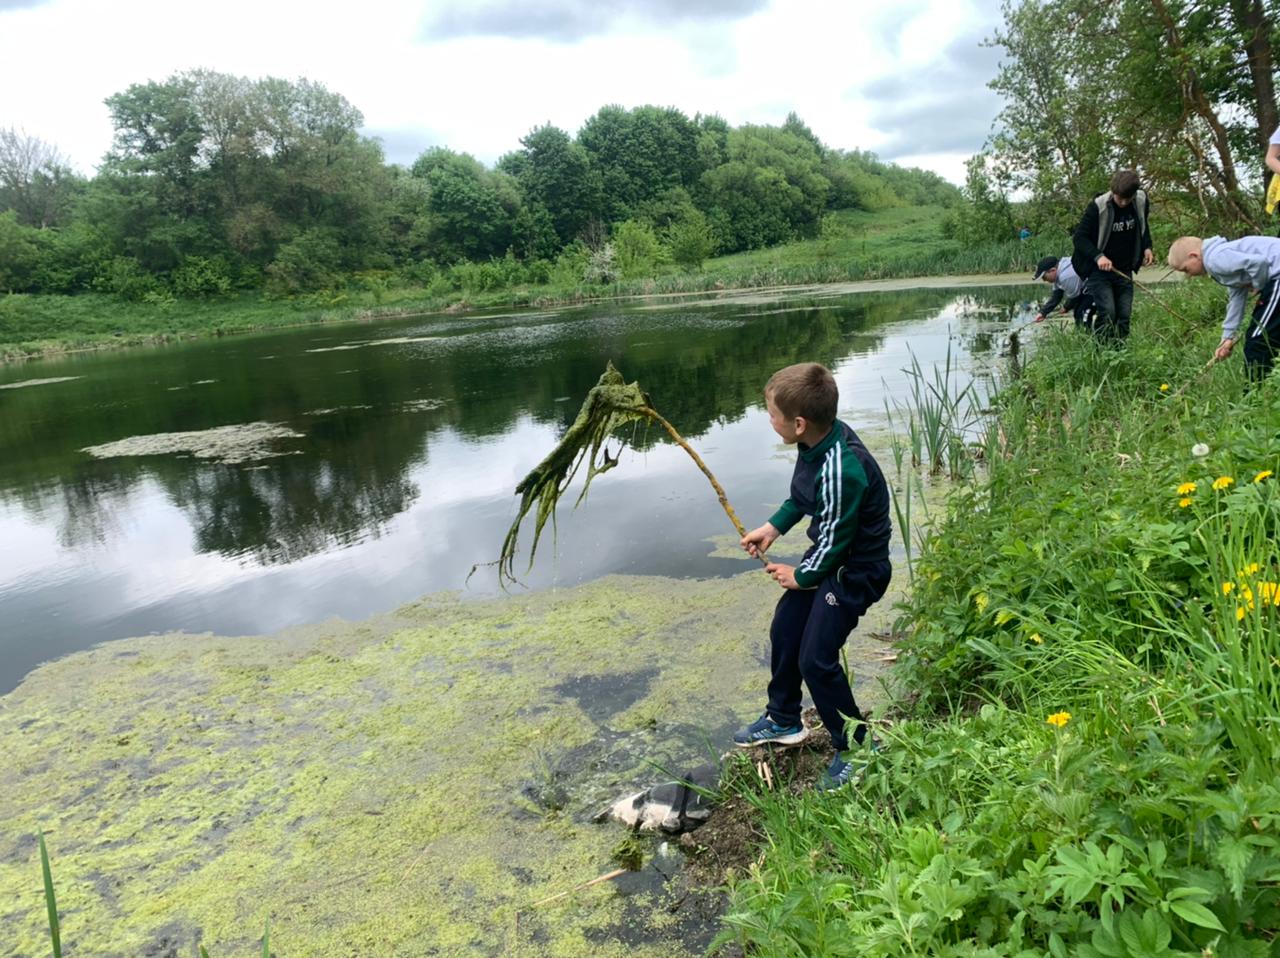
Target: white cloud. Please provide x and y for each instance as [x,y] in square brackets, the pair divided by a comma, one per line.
[747,60]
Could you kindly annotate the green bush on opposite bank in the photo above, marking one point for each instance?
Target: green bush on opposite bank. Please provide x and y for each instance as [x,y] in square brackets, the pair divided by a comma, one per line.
[1086,763]
[898,242]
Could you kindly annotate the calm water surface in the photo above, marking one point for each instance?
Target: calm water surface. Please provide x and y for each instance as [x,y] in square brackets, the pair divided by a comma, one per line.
[411,438]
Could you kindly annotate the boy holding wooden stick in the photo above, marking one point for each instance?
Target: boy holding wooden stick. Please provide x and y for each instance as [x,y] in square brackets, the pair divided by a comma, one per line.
[844,572]
[1251,263]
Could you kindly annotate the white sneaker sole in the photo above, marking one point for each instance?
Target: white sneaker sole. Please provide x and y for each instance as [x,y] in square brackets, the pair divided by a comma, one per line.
[793,739]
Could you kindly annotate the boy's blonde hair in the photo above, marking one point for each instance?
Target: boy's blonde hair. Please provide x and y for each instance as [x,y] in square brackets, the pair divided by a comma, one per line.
[805,389]
[1181,249]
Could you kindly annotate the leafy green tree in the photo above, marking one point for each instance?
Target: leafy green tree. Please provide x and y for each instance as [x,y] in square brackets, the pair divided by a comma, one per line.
[310,261]
[1180,90]
[35,180]
[199,277]
[986,214]
[18,254]
[534,232]
[209,164]
[770,190]
[556,175]
[637,251]
[470,211]
[689,239]
[640,154]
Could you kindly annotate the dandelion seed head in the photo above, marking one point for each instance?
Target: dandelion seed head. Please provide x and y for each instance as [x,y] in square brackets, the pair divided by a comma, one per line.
[1200,450]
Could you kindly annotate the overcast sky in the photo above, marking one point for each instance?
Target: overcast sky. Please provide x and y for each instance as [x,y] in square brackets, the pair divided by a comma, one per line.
[904,78]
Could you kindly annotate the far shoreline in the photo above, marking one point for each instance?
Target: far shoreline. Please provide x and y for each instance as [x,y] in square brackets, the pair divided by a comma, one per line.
[29,350]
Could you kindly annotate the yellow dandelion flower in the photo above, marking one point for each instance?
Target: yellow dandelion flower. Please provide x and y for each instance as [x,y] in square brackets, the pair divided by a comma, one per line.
[1035,637]
[1251,569]
[1270,592]
[1059,719]
[1186,488]
[1184,502]
[1239,612]
[1164,387]
[1264,474]
[1227,587]
[1222,482]
[980,600]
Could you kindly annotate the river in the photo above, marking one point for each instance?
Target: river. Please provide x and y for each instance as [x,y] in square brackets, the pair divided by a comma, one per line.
[402,445]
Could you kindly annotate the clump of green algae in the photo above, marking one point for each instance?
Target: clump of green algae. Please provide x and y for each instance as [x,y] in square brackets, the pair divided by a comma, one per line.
[359,783]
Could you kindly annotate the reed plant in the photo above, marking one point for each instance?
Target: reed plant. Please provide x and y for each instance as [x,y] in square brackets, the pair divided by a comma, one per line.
[55,924]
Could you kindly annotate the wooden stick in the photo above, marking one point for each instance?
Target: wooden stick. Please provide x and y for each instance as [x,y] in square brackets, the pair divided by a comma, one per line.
[595,881]
[1146,289]
[1213,361]
[724,499]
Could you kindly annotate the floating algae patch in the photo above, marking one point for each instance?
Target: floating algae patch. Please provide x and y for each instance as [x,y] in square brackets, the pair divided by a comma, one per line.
[361,344]
[421,405]
[245,442]
[415,784]
[38,382]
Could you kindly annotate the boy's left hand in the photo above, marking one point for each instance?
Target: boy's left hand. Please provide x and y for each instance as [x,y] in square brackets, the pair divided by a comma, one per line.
[783,574]
[1148,257]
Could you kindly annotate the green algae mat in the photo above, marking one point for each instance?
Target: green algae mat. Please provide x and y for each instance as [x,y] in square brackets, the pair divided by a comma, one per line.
[415,784]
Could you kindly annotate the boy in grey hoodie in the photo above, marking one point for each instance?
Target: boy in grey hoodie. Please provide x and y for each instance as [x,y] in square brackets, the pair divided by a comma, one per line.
[1251,263]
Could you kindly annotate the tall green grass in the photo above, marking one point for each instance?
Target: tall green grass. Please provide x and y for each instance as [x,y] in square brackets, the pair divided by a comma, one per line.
[1085,759]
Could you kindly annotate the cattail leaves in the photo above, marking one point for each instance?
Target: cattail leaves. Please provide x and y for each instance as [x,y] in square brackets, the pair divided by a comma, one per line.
[611,403]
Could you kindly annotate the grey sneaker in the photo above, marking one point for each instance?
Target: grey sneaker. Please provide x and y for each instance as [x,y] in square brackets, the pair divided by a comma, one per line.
[848,767]
[765,731]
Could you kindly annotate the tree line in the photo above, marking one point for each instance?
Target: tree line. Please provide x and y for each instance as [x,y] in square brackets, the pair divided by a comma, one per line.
[216,183]
[1182,91]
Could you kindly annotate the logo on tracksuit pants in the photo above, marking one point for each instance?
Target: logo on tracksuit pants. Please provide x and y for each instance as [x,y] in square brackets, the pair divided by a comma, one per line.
[831,599]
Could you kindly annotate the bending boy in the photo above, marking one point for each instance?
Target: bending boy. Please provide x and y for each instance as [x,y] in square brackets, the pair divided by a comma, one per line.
[1113,235]
[1249,263]
[844,572]
[1061,275]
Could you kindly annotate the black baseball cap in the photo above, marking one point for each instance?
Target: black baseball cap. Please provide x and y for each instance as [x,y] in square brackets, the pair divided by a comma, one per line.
[1046,264]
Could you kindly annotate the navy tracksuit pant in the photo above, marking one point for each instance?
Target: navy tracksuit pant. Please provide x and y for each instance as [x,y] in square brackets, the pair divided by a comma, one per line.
[1263,337]
[809,629]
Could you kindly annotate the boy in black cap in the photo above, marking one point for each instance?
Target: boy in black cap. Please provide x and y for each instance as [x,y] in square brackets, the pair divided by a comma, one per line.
[1061,275]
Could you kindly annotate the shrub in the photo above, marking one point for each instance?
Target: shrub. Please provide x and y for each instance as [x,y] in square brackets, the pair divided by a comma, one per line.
[307,263]
[199,277]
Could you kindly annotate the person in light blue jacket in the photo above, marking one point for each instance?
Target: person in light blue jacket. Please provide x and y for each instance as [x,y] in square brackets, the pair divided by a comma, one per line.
[1249,264]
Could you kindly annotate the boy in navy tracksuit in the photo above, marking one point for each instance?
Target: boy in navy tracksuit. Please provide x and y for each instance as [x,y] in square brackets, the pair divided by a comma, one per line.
[1249,263]
[845,570]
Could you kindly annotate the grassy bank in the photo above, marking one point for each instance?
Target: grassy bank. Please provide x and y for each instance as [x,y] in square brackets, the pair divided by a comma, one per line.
[1084,761]
[890,243]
